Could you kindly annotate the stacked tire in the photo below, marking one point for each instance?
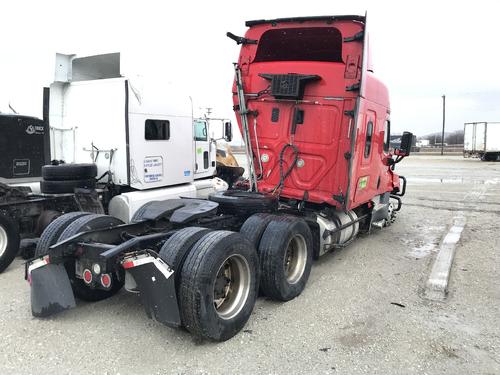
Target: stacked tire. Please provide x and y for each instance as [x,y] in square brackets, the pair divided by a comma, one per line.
[65,178]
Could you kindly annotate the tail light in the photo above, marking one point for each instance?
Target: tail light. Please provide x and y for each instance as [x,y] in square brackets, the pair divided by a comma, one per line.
[106,280]
[87,276]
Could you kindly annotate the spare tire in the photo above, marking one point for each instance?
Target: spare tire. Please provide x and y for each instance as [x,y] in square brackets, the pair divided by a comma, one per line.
[66,186]
[244,203]
[66,172]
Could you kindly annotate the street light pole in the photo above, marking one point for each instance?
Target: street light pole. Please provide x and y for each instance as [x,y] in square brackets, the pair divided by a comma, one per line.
[444,116]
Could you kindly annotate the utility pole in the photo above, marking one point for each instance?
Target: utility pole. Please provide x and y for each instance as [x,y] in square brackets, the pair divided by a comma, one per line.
[444,115]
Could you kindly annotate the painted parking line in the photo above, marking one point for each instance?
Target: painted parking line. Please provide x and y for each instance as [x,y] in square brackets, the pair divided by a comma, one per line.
[436,287]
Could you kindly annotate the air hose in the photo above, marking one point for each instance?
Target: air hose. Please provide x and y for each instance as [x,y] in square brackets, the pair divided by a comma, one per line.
[284,175]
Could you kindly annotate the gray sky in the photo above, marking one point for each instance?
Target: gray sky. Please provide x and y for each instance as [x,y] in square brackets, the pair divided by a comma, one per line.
[421,49]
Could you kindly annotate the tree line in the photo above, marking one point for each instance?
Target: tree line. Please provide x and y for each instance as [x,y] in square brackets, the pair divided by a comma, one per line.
[451,138]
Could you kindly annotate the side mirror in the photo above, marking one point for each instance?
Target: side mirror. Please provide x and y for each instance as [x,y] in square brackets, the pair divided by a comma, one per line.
[406,141]
[228,131]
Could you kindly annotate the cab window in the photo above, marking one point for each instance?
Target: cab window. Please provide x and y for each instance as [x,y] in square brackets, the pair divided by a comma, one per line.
[300,44]
[387,135]
[157,130]
[200,131]
[368,141]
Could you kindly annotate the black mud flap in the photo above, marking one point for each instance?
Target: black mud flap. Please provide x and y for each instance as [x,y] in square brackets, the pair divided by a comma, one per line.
[51,290]
[156,284]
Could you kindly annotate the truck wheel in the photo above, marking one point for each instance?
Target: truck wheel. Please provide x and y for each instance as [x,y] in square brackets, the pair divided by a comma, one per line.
[219,285]
[63,186]
[244,203]
[85,223]
[253,228]
[9,241]
[175,250]
[63,172]
[285,253]
[54,230]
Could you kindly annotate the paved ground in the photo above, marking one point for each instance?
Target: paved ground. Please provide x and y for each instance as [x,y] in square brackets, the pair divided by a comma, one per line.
[362,311]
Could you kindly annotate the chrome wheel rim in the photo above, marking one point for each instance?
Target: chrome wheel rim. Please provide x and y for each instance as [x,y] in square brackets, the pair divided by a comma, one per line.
[3,240]
[231,286]
[295,259]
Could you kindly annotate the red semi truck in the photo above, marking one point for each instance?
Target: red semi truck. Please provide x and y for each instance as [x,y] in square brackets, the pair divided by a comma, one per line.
[316,125]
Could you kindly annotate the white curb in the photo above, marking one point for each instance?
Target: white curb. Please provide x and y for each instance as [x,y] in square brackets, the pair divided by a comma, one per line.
[436,287]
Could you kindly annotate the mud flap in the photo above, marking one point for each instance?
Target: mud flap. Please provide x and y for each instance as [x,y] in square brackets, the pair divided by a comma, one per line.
[156,284]
[51,290]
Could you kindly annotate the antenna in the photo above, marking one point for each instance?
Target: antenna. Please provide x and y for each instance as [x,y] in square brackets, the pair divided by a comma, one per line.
[12,109]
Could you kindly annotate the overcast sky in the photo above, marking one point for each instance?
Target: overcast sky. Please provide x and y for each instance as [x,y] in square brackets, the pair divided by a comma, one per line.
[422,49]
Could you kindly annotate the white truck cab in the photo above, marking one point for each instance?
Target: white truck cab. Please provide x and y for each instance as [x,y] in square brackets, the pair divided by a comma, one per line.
[141,134]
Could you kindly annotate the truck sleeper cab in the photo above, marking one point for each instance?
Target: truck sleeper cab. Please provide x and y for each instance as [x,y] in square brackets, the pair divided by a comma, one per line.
[315,122]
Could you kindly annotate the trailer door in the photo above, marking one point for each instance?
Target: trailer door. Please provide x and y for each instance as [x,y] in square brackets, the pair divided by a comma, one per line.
[480,137]
[468,137]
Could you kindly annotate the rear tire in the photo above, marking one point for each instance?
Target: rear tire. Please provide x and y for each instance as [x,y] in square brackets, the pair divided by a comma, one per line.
[285,253]
[175,250]
[220,281]
[51,234]
[9,241]
[82,224]
[253,228]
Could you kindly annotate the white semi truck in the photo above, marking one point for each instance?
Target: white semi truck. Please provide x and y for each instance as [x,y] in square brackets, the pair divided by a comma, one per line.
[482,139]
[123,144]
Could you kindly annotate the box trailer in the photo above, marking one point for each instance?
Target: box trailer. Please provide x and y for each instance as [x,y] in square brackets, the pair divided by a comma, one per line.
[482,140]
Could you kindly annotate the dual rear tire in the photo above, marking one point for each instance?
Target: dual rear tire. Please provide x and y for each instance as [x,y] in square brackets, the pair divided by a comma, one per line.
[218,273]
[285,247]
[217,280]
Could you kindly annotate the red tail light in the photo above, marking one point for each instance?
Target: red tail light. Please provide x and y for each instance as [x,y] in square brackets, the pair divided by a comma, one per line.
[87,276]
[105,280]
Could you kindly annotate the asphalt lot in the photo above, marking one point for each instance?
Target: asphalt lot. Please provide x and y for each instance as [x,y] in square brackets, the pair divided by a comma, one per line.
[363,310]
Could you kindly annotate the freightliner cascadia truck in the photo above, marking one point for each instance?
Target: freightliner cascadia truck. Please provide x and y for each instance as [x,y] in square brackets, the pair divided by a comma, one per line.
[316,125]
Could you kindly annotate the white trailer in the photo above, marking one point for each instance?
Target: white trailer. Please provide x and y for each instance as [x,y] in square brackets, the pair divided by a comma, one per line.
[482,139]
